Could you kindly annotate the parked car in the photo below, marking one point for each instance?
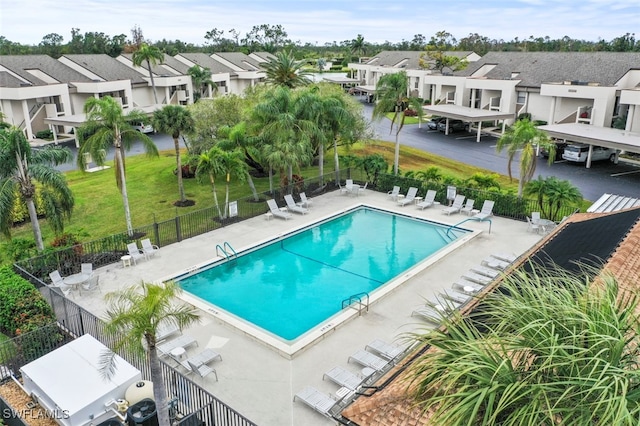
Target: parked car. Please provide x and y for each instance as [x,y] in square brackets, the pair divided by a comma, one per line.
[578,153]
[454,126]
[141,127]
[560,146]
[433,123]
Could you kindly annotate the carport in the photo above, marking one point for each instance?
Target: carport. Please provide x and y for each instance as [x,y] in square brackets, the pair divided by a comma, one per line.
[618,139]
[468,114]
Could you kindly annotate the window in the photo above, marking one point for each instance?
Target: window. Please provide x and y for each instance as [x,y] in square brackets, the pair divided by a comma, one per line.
[522,98]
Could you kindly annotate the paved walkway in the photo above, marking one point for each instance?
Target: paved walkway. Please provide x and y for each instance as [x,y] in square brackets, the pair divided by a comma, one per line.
[259,382]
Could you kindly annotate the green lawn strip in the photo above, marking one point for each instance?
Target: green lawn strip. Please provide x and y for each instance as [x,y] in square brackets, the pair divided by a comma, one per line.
[7,351]
[407,119]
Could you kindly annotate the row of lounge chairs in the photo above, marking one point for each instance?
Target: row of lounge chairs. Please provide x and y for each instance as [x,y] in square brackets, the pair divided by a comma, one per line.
[376,356]
[465,288]
[301,207]
[146,252]
[459,205]
[198,363]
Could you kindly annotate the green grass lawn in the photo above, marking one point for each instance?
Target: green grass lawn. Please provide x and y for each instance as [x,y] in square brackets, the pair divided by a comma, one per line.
[152,189]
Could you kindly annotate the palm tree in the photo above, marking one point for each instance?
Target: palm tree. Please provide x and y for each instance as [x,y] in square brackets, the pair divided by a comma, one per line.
[285,70]
[286,138]
[548,348]
[391,92]
[107,125]
[201,79]
[209,167]
[173,120]
[133,318]
[237,137]
[552,193]
[232,165]
[358,46]
[21,168]
[524,137]
[152,56]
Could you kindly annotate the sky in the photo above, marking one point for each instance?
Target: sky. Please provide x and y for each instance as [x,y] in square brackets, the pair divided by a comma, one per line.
[321,21]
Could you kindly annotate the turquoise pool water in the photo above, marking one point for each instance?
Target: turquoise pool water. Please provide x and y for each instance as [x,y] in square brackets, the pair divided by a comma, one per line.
[293,284]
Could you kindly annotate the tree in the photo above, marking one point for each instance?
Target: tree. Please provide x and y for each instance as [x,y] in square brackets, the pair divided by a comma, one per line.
[237,137]
[436,57]
[285,70]
[107,125]
[151,55]
[265,37]
[21,169]
[524,137]
[174,120]
[209,116]
[134,317]
[218,162]
[549,347]
[358,46]
[51,45]
[202,83]
[391,92]
[552,193]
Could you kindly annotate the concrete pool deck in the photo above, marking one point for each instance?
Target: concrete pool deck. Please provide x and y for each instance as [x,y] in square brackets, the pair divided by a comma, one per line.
[256,380]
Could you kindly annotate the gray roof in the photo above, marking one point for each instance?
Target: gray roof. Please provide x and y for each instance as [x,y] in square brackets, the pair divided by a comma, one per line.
[391,58]
[240,60]
[106,67]
[205,61]
[175,64]
[19,64]
[535,68]
[159,70]
[265,56]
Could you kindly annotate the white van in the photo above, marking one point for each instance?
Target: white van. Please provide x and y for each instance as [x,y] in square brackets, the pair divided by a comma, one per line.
[578,153]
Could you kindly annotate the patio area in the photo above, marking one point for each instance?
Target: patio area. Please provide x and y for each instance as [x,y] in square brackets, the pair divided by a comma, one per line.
[258,381]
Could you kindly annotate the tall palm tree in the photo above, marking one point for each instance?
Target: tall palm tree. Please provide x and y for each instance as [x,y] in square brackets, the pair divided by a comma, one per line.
[174,120]
[237,137]
[392,95]
[286,137]
[232,166]
[285,70]
[201,79]
[210,167]
[107,125]
[548,348]
[151,55]
[524,137]
[21,168]
[134,316]
[357,46]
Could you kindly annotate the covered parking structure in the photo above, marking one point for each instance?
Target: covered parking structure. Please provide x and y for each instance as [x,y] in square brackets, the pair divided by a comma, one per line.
[618,139]
[463,113]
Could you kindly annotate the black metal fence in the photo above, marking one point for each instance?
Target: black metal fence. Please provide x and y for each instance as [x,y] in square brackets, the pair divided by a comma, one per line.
[193,405]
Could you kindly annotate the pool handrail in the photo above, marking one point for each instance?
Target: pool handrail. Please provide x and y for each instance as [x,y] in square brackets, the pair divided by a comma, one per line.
[227,255]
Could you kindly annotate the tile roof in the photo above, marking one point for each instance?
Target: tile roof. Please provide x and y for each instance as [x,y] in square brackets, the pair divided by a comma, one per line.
[391,406]
[535,68]
[206,61]
[106,67]
[20,64]
[392,58]
[240,60]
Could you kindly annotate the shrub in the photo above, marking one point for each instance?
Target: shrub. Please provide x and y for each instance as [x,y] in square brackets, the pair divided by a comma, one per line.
[410,113]
[524,116]
[44,134]
[22,307]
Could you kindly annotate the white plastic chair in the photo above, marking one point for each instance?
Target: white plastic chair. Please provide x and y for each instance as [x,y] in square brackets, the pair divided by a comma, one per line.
[135,252]
[148,248]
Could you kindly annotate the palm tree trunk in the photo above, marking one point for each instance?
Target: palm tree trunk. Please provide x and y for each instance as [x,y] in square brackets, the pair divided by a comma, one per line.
[252,185]
[226,196]
[215,194]
[336,160]
[520,187]
[35,225]
[153,83]
[396,155]
[321,164]
[176,143]
[271,179]
[123,190]
[159,388]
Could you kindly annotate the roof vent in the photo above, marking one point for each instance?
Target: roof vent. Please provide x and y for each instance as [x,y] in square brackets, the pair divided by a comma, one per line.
[26,84]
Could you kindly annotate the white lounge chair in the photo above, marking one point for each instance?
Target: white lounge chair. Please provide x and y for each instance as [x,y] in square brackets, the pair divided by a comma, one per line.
[384,349]
[476,278]
[319,401]
[467,287]
[505,257]
[202,370]
[166,330]
[344,378]
[456,296]
[486,211]
[456,206]
[393,194]
[135,252]
[434,312]
[363,188]
[182,341]
[367,359]
[149,249]
[304,201]
[409,198]
[291,205]
[203,358]
[493,263]
[483,270]
[276,212]
[428,201]
[468,207]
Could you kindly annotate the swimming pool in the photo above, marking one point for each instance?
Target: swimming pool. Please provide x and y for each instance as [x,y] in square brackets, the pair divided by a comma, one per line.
[296,283]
